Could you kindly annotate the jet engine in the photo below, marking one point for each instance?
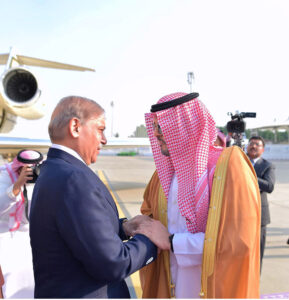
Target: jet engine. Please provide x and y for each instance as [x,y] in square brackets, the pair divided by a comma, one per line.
[19,96]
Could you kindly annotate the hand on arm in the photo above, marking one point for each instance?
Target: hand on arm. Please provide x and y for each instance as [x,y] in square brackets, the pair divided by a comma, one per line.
[101,249]
[25,175]
[131,225]
[156,232]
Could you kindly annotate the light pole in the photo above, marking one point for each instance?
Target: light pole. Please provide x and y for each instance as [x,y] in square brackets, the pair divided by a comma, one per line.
[111,104]
[191,78]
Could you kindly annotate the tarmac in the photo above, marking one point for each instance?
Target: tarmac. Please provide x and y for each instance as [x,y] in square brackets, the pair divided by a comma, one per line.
[127,177]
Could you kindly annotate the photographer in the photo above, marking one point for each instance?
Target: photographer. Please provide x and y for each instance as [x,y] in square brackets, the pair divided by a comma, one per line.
[16,185]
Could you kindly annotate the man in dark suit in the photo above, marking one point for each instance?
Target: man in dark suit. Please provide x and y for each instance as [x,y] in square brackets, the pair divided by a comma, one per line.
[77,238]
[266,179]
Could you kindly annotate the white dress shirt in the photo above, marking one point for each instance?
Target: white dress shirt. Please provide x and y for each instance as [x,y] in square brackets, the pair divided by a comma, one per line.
[186,260]
[68,150]
[253,161]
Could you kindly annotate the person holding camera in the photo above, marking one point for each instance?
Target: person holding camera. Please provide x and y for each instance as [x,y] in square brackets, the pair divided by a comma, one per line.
[16,185]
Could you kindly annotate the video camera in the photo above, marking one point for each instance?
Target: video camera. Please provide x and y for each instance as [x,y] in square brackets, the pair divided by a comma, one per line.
[237,126]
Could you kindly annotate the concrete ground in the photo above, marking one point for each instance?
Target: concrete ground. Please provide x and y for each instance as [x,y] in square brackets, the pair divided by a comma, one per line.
[128,176]
[275,270]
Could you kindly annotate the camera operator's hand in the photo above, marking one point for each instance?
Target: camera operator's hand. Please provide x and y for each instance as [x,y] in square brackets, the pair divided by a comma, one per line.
[26,174]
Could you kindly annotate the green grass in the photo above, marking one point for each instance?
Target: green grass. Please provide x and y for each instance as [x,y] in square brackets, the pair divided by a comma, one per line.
[130,153]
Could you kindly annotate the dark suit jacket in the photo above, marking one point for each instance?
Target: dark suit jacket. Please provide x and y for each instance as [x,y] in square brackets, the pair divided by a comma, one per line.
[266,179]
[77,237]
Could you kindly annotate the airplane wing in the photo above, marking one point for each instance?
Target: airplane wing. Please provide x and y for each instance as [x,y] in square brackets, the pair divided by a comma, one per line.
[36,62]
[12,145]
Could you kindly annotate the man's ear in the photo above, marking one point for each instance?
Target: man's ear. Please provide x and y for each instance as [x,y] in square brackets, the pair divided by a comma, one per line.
[74,127]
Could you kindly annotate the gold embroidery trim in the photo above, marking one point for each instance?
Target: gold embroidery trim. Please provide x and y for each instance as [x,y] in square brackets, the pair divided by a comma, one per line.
[163,217]
[213,222]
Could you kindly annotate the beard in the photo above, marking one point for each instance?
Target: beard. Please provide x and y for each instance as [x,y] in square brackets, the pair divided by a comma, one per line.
[164,147]
[165,152]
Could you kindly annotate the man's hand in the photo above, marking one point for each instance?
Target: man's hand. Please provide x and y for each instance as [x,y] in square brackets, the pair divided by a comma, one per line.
[25,175]
[131,225]
[156,232]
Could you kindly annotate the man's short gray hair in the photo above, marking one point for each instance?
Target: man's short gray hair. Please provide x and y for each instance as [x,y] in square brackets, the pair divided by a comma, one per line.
[68,108]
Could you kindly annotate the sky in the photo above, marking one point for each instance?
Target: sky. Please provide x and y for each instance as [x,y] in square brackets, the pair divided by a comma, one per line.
[143,49]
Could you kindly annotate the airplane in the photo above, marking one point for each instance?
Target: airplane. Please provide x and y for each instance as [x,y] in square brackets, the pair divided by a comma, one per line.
[19,90]
[20,96]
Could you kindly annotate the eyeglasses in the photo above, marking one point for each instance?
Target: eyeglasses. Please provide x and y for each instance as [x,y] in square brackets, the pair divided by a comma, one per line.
[158,128]
[256,144]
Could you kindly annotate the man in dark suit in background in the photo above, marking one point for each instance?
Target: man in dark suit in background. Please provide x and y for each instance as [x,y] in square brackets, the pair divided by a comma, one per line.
[76,234]
[266,179]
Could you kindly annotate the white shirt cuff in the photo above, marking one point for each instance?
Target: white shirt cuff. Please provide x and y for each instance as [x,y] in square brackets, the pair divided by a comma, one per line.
[188,248]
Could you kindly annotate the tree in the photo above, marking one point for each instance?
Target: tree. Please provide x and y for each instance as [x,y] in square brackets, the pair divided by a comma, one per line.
[140,131]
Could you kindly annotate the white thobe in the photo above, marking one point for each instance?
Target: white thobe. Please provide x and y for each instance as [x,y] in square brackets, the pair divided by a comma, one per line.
[186,260]
[15,250]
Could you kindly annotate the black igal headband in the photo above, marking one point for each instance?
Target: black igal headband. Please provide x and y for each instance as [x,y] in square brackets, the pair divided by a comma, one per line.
[175,102]
[30,161]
